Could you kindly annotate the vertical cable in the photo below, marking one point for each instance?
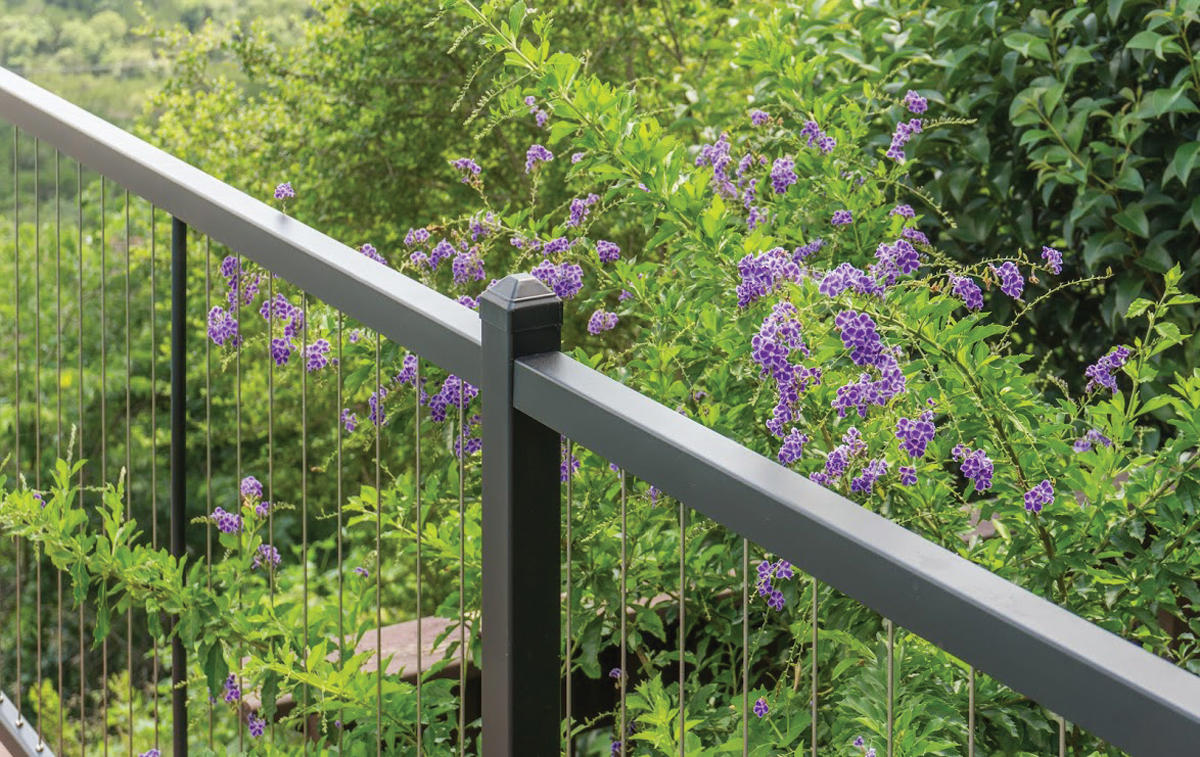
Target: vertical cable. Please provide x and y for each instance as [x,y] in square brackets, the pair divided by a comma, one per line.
[128,461]
[341,574]
[745,647]
[19,635]
[1062,736]
[462,584]
[59,415]
[154,444]
[682,626]
[82,526]
[237,360]
[891,690]
[570,648]
[271,314]
[420,613]
[971,711]
[378,553]
[813,703]
[208,441]
[304,490]
[37,417]
[104,419]
[624,677]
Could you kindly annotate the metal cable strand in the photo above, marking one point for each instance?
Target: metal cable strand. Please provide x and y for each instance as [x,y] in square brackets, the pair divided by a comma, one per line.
[270,563]
[104,418]
[1062,736]
[304,492]
[37,417]
[17,394]
[813,703]
[971,711]
[128,460]
[340,573]
[624,676]
[462,584]
[378,554]
[570,496]
[58,408]
[682,627]
[237,360]
[154,442]
[208,441]
[891,691]
[745,647]
[417,426]
[79,300]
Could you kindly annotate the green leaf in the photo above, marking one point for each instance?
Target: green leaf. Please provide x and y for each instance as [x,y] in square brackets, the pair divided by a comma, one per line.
[1028,45]
[270,692]
[1184,161]
[1137,307]
[215,668]
[1114,10]
[1133,219]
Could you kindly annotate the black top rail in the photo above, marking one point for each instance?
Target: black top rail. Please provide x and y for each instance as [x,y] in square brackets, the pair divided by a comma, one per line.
[403,310]
[1118,691]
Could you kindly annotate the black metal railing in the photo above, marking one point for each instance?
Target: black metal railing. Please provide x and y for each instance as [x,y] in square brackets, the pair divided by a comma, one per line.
[533,396]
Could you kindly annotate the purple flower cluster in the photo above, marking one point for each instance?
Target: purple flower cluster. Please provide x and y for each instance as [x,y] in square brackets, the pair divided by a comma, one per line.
[802,253]
[914,436]
[915,236]
[759,117]
[903,133]
[968,291]
[448,397]
[284,191]
[915,103]
[555,246]
[871,472]
[467,265]
[567,465]
[580,209]
[316,355]
[536,112]
[223,327]
[904,211]
[151,753]
[252,487]
[841,218]
[536,154]
[601,321]
[361,571]
[349,420]
[1053,259]
[233,692]
[566,279]
[825,143]
[281,351]
[608,252]
[772,348]
[468,168]
[577,156]
[227,523]
[1084,443]
[1011,281]
[756,218]
[377,414]
[976,466]
[257,726]
[844,277]
[416,236]
[793,447]
[908,475]
[764,273]
[894,260]
[859,335]
[838,459]
[408,370]
[783,175]
[369,251]
[717,156]
[1039,496]
[1101,373]
[266,555]
[760,707]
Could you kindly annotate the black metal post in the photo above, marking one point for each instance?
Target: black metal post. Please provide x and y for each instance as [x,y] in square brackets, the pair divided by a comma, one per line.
[178,482]
[521,529]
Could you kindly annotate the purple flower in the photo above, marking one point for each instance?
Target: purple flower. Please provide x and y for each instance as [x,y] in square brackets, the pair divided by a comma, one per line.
[859,742]
[567,465]
[233,692]
[783,175]
[443,250]
[905,211]
[783,569]
[760,707]
[580,209]
[536,154]
[377,414]
[844,277]
[230,267]
[151,753]
[1011,281]
[915,102]
[977,467]
[624,295]
[576,157]
[468,168]
[281,351]
[416,236]
[615,749]
[408,370]
[873,471]
[717,156]
[466,266]
[841,218]
[1039,496]
[360,570]
[759,117]
[824,142]
[601,321]
[756,218]
[608,252]
[1053,259]
[316,355]
[776,600]
[1084,443]
[529,100]
[908,475]
[917,237]
[914,436]
[859,336]
[252,487]
[257,725]
[223,327]
[968,291]
[1101,373]
[227,523]
[793,447]
[541,117]
[556,246]
[614,673]
[765,273]
[803,252]
[566,279]
[903,133]
[349,420]
[262,509]
[284,191]
[266,555]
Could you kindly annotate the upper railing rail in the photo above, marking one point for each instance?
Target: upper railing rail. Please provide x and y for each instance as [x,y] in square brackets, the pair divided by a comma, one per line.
[1118,691]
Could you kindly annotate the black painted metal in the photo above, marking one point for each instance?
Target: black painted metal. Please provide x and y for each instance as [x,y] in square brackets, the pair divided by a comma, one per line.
[1116,690]
[179,230]
[521,572]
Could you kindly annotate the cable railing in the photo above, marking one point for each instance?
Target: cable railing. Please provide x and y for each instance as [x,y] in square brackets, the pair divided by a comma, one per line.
[282,313]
